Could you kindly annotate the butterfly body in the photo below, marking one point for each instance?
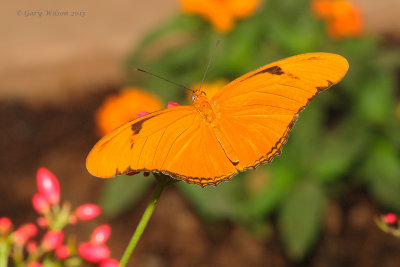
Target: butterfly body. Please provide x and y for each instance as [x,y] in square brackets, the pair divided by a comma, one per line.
[205,108]
[243,126]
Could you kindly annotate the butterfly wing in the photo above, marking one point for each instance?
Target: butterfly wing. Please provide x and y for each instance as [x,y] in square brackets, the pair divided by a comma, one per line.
[173,141]
[258,110]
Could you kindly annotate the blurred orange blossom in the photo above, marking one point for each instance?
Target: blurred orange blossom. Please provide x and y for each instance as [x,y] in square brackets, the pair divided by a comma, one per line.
[221,13]
[119,109]
[343,17]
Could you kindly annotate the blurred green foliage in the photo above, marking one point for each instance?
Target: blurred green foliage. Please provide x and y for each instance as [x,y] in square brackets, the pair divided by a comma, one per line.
[348,135]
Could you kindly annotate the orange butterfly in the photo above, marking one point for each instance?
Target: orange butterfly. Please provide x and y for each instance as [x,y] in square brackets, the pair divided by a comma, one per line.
[243,126]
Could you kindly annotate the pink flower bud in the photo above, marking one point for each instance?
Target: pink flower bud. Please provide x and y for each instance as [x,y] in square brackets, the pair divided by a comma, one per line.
[390,218]
[5,225]
[62,252]
[42,222]
[73,220]
[30,229]
[87,212]
[93,252]
[31,247]
[24,232]
[172,104]
[142,113]
[109,263]
[101,234]
[40,203]
[48,185]
[52,240]
[34,264]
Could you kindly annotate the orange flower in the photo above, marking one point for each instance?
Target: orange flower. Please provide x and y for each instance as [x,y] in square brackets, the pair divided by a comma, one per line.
[119,109]
[322,8]
[209,88]
[343,17]
[221,13]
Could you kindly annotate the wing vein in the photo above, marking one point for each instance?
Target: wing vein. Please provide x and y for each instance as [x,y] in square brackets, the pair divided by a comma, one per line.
[159,141]
[172,144]
[250,105]
[140,137]
[295,87]
[269,93]
[140,155]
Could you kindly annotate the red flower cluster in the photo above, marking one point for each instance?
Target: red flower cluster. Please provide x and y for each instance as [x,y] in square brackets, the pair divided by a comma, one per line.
[54,217]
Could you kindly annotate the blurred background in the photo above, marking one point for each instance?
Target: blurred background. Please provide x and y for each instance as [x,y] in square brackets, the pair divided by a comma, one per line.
[67,76]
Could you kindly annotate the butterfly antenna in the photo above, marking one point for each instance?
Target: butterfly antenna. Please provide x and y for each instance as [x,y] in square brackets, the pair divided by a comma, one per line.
[209,63]
[177,84]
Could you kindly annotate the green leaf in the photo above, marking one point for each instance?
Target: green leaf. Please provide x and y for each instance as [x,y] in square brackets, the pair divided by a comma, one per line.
[339,150]
[280,181]
[216,203]
[300,219]
[382,172]
[305,138]
[122,192]
[376,100]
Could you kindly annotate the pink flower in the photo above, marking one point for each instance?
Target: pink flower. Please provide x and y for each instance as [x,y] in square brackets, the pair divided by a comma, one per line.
[40,203]
[48,185]
[31,247]
[5,225]
[30,229]
[390,218]
[93,252]
[42,222]
[109,263]
[101,234]
[34,264]
[142,113]
[172,104]
[73,220]
[87,212]
[24,233]
[52,240]
[62,252]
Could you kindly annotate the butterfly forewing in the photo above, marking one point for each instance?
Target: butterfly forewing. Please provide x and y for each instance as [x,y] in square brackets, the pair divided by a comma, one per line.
[258,110]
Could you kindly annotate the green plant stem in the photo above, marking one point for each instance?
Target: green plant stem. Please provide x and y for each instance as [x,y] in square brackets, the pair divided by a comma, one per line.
[142,223]
[18,256]
[3,252]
